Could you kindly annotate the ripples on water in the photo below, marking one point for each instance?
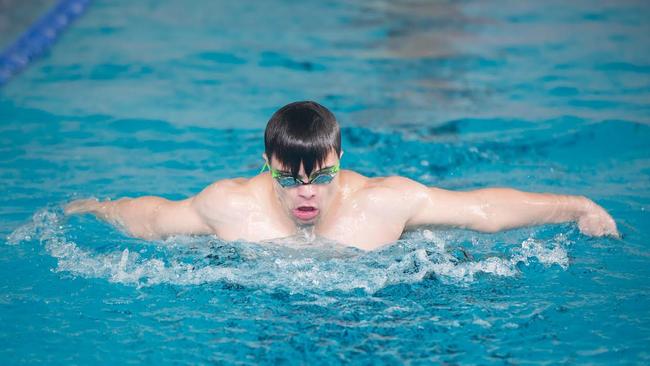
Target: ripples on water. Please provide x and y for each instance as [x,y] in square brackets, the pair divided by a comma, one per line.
[379,63]
[434,296]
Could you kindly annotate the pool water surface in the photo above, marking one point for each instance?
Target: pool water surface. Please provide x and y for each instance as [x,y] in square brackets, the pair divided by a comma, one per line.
[163,98]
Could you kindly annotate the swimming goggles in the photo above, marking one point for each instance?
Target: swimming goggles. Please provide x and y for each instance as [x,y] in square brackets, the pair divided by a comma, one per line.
[323,176]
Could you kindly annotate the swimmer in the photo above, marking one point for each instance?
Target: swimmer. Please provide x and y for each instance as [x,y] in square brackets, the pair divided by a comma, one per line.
[302,187]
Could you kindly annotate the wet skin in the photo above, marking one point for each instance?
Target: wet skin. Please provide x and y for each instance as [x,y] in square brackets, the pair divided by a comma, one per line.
[352,209]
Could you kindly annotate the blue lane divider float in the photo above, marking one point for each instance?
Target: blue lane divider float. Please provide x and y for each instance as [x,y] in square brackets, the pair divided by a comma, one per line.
[39,37]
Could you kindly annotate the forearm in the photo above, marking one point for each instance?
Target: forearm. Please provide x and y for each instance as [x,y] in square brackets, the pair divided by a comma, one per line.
[137,216]
[495,209]
[501,208]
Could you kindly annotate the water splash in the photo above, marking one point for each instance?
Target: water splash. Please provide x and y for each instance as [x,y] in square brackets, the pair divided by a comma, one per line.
[295,266]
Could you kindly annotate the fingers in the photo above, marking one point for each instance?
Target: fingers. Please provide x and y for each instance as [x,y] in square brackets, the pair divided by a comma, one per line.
[610,226]
[598,225]
[612,230]
[72,208]
[80,206]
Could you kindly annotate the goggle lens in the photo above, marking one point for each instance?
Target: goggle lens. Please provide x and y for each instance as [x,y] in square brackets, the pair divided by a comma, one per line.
[288,182]
[323,177]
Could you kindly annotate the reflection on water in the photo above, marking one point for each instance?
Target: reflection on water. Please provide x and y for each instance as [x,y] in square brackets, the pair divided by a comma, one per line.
[501,59]
[379,63]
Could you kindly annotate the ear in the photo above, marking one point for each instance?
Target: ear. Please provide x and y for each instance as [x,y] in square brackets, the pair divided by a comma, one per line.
[266,159]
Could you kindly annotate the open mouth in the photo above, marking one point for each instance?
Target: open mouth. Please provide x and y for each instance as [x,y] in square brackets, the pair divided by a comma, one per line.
[305,212]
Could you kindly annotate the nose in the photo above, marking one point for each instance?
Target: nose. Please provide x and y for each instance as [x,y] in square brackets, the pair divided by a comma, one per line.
[306,191]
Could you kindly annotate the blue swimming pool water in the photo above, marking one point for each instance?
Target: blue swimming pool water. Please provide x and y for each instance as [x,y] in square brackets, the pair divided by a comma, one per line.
[161,98]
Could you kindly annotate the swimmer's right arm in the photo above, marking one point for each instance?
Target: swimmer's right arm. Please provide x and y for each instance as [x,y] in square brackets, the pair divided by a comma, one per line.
[152,217]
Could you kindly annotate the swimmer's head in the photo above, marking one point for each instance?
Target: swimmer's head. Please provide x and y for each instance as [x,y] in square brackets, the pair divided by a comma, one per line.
[302,133]
[301,139]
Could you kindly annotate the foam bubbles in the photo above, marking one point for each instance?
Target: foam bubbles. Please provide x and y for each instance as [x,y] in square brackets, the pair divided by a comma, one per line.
[293,265]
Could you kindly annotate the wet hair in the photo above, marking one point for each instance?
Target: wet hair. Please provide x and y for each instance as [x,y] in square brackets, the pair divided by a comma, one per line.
[302,132]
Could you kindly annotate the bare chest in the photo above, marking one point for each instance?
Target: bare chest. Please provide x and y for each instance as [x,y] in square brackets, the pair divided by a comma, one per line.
[361,227]
[353,223]
[253,224]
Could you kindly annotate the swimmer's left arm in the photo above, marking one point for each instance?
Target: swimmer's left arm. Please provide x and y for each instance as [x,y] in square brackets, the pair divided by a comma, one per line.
[496,209]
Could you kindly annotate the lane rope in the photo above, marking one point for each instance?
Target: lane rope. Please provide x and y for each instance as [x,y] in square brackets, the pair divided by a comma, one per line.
[39,37]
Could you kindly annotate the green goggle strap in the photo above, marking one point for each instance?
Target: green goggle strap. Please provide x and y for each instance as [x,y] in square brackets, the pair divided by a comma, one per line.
[266,165]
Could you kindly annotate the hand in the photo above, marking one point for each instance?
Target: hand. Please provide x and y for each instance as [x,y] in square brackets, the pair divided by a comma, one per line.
[595,221]
[82,206]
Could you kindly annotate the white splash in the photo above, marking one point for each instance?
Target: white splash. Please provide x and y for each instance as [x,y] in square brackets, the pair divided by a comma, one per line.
[325,266]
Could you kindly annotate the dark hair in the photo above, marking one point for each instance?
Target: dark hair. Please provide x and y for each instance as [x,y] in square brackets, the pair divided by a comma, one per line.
[302,132]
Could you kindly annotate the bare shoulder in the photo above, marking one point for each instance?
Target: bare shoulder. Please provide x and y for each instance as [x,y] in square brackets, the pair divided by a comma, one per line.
[350,177]
[395,185]
[414,191]
[398,182]
[223,188]
[386,189]
[221,196]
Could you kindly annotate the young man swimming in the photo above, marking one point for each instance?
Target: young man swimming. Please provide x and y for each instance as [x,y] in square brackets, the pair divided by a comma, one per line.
[305,189]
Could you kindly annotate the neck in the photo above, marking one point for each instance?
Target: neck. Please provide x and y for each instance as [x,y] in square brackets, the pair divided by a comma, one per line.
[306,231]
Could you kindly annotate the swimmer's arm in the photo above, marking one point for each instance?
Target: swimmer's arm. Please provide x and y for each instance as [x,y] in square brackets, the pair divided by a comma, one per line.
[153,218]
[146,217]
[496,209]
